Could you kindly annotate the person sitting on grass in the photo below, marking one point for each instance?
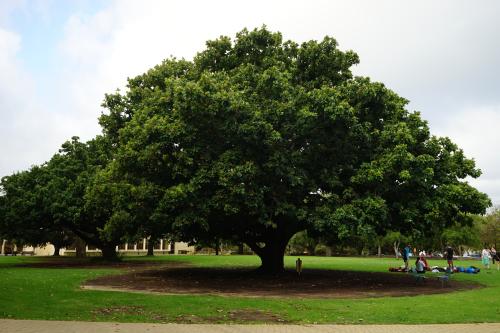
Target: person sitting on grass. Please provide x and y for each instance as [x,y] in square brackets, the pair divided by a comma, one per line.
[422,255]
[420,266]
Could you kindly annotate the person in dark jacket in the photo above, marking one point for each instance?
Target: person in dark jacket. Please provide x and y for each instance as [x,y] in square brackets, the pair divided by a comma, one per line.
[448,252]
[494,257]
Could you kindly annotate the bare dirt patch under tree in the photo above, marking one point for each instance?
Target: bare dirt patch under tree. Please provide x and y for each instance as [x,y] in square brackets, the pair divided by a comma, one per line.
[249,283]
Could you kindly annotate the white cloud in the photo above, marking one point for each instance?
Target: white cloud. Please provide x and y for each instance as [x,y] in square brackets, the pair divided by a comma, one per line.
[475,130]
[16,110]
[443,56]
[9,44]
[7,7]
[29,131]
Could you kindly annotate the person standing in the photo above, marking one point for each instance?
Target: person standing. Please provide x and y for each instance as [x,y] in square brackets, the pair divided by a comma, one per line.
[485,258]
[449,257]
[406,255]
[494,257]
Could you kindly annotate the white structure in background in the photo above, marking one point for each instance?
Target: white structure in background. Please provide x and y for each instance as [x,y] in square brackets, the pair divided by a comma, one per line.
[162,247]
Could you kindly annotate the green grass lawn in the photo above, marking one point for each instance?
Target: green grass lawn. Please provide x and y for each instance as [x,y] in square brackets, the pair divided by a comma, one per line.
[54,293]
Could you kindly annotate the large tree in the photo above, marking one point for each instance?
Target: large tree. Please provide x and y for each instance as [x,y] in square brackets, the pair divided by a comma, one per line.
[257,139]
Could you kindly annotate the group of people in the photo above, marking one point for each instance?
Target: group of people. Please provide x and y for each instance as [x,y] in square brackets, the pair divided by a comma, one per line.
[421,264]
[488,254]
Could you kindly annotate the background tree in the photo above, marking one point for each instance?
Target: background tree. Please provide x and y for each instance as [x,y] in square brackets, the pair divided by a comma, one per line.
[489,228]
[461,237]
[302,243]
[25,215]
[125,208]
[396,240]
[72,171]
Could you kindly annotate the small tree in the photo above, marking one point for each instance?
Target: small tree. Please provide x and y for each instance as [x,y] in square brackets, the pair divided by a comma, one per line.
[460,236]
[25,214]
[489,227]
[395,239]
[301,242]
[71,173]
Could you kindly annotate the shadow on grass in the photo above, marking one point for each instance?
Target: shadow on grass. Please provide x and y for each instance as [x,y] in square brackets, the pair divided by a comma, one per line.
[239,282]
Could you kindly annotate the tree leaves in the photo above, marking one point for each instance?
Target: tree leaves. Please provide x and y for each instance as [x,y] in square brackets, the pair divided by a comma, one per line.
[254,140]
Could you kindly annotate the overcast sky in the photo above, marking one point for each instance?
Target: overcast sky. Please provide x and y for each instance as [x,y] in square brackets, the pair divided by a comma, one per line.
[58,59]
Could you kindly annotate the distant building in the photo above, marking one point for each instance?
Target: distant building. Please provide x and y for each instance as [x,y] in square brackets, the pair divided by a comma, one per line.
[161,247]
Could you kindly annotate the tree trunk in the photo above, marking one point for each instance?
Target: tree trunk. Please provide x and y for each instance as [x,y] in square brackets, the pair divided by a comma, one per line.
[81,251]
[3,246]
[379,251]
[217,247]
[271,256]
[109,252]
[396,247]
[272,261]
[57,248]
[151,247]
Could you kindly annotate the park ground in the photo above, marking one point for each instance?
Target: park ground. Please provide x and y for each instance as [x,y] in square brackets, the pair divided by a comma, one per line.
[52,289]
